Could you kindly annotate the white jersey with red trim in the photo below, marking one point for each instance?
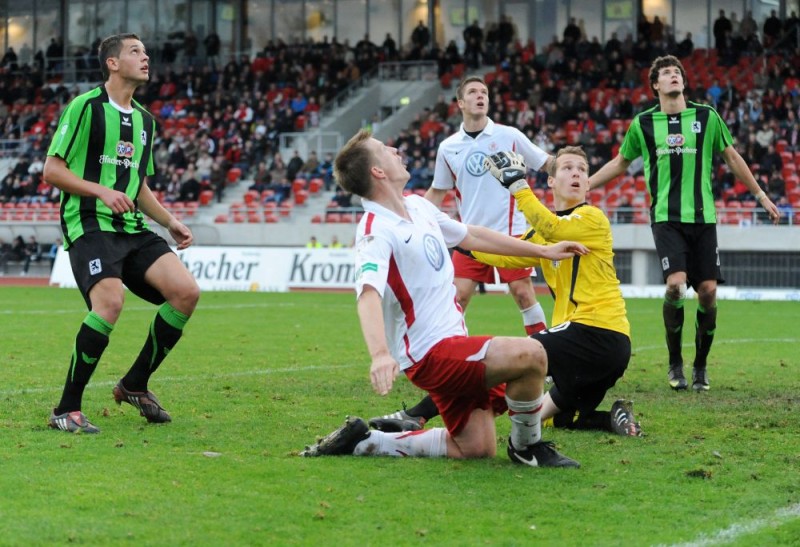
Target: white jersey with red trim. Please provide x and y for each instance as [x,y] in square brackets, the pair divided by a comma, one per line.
[409,265]
[480,198]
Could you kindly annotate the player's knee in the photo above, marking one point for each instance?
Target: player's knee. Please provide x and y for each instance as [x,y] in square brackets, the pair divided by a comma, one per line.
[478,450]
[676,291]
[707,295]
[533,357]
[187,296]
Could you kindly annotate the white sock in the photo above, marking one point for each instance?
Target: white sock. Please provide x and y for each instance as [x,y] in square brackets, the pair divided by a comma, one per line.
[526,421]
[534,319]
[426,443]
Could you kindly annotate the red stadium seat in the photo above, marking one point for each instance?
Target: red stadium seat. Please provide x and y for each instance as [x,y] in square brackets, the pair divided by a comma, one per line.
[234,174]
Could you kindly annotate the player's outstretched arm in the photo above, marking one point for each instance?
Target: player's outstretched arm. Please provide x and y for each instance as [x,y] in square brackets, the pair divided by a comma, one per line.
[742,172]
[384,368]
[480,238]
[609,171]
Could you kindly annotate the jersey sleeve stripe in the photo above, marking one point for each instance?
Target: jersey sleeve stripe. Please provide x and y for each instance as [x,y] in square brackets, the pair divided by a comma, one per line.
[368,224]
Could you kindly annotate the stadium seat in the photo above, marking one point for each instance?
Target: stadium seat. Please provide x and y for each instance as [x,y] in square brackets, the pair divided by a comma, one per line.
[285,210]
[315,185]
[251,196]
[300,197]
[234,174]
[316,219]
[222,218]
[298,184]
[206,196]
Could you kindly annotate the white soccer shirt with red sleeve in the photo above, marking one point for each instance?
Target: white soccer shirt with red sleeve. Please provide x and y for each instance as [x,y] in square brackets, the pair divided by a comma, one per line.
[480,198]
[409,265]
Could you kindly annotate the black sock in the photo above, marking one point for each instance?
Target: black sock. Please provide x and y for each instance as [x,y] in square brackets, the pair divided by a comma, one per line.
[706,326]
[673,324]
[592,420]
[165,331]
[425,409]
[90,343]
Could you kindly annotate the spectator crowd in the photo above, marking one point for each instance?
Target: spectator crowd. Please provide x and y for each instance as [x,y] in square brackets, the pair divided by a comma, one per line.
[216,117]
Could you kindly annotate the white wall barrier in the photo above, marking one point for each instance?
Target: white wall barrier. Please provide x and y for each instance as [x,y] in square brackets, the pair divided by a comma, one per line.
[282,269]
[276,269]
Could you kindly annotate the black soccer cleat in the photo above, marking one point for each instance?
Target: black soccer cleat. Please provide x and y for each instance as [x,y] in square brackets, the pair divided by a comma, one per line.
[622,420]
[342,441]
[397,422]
[71,422]
[700,379]
[677,380]
[145,401]
[541,454]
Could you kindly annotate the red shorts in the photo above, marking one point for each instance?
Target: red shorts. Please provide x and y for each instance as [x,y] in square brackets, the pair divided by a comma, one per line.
[454,375]
[469,268]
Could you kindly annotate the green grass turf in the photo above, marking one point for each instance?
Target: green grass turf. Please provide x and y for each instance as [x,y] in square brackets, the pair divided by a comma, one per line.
[258,376]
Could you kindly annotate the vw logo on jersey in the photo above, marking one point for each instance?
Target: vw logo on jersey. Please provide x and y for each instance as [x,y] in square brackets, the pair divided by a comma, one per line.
[475,165]
[433,252]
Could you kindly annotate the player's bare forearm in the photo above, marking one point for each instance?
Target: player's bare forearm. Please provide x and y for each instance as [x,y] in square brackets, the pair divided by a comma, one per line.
[742,172]
[150,206]
[57,173]
[480,238]
[609,171]
[384,368]
[435,195]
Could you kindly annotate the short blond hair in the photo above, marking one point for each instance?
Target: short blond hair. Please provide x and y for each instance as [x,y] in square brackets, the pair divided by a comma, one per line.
[574,150]
[352,165]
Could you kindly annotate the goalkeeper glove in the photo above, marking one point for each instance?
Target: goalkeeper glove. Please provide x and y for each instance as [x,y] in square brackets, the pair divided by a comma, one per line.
[509,168]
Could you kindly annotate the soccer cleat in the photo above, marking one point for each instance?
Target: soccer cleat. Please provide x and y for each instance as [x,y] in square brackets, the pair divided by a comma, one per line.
[397,422]
[145,401]
[541,454]
[73,422]
[622,420]
[700,379]
[677,380]
[342,441]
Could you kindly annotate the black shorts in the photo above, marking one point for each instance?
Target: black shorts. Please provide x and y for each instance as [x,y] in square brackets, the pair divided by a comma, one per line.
[98,255]
[690,248]
[585,362]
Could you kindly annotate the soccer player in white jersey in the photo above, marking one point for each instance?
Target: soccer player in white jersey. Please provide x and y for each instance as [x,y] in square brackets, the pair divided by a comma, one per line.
[412,322]
[459,165]
[481,201]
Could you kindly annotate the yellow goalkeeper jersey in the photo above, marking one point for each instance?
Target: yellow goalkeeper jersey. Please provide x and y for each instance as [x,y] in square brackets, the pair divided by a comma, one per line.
[585,288]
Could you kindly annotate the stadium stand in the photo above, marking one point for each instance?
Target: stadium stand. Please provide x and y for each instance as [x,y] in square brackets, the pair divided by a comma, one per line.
[213,142]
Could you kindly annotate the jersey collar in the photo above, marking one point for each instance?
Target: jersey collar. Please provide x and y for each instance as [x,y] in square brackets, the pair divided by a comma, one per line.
[488,130]
[380,210]
[568,212]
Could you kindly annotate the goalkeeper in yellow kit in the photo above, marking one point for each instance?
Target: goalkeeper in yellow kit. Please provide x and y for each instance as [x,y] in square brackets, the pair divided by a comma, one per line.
[588,347]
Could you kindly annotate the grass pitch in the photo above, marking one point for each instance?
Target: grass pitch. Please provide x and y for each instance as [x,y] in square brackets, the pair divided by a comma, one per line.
[257,376]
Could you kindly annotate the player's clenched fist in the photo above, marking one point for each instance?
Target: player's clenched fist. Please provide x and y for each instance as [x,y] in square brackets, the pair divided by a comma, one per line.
[509,168]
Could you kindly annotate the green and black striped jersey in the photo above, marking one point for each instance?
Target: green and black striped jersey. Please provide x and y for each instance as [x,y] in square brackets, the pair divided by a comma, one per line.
[103,143]
[678,150]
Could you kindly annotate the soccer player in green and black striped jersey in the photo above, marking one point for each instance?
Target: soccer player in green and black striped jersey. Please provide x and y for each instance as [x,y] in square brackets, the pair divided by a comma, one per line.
[100,157]
[677,140]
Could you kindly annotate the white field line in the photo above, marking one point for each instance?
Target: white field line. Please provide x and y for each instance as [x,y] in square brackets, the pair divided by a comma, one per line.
[740,529]
[78,310]
[723,341]
[184,379]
